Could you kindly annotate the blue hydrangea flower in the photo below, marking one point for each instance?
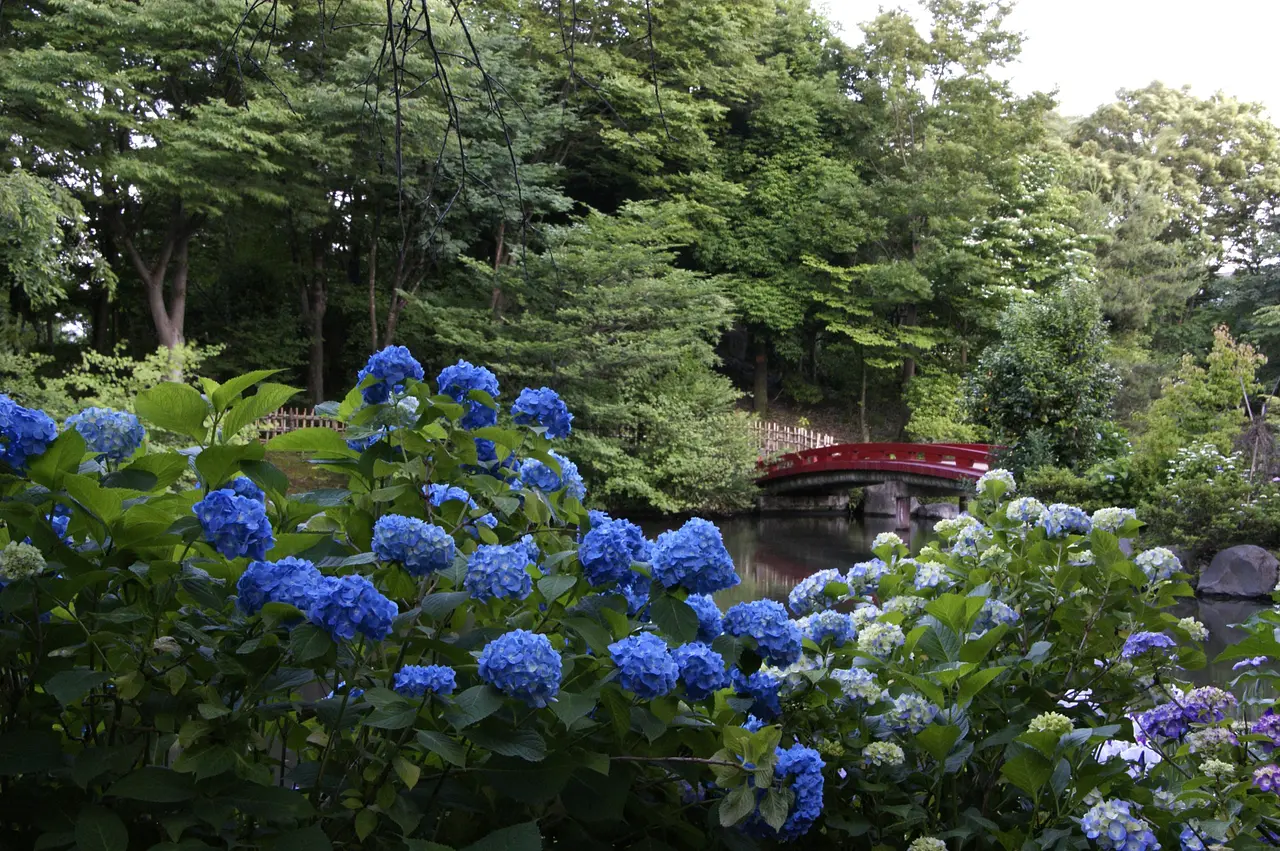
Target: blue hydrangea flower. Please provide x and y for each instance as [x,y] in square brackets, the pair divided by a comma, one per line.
[290,580]
[420,546]
[864,577]
[1208,704]
[809,594]
[1025,510]
[391,367]
[609,549]
[694,557]
[544,408]
[438,495]
[753,724]
[777,638]
[245,487]
[115,434]
[710,621]
[1267,778]
[644,665]
[531,548]
[993,613]
[459,380]
[495,571]
[857,684]
[1268,724]
[911,713]
[345,605]
[1112,825]
[23,432]
[701,670]
[421,680]
[1141,643]
[830,626]
[523,665]
[930,574]
[881,639]
[535,474]
[1165,721]
[763,688]
[636,592]
[1060,520]
[235,525]
[802,766]
[1158,563]
[971,541]
[60,519]
[1190,840]
[1249,663]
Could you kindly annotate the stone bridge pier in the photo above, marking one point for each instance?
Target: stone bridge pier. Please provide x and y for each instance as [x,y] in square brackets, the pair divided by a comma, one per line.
[894,499]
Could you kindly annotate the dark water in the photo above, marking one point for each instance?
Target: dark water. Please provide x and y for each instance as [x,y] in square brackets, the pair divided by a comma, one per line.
[773,553]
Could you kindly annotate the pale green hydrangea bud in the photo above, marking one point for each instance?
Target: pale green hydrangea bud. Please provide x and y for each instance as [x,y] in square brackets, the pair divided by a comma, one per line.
[1217,769]
[1050,722]
[883,753]
[1195,629]
[20,561]
[927,843]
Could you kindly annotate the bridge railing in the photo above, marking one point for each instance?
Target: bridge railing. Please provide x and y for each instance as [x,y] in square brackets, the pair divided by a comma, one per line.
[286,420]
[945,460]
[776,438]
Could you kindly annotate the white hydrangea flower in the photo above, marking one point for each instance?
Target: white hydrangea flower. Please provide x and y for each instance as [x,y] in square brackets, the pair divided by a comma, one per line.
[886,539]
[992,476]
[20,561]
[1193,627]
[883,753]
[1112,519]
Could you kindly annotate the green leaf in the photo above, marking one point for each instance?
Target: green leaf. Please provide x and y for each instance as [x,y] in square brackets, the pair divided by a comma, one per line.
[226,393]
[971,685]
[393,716]
[174,407]
[1029,771]
[977,650]
[518,837]
[154,784]
[407,771]
[950,609]
[206,759]
[676,618]
[366,823]
[268,400]
[70,686]
[60,457]
[271,803]
[596,636]
[268,476]
[446,748]
[99,829]
[320,441]
[219,463]
[474,704]
[167,467]
[29,752]
[309,642]
[569,707]
[775,806]
[306,839]
[553,587]
[524,744]
[442,604]
[737,805]
[937,740]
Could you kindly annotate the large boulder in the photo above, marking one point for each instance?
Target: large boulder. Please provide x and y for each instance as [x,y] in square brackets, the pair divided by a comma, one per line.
[935,510]
[1243,571]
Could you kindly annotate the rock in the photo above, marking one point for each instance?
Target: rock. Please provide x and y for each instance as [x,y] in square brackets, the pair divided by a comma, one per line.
[935,510]
[882,500]
[1243,571]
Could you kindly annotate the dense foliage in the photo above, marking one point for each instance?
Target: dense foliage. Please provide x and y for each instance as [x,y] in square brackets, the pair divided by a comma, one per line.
[450,652]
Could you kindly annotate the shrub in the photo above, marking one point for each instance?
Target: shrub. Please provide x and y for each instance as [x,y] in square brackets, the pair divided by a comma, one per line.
[370,684]
[935,400]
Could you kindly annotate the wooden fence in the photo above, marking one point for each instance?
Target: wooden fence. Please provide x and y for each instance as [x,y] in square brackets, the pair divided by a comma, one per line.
[290,419]
[778,439]
[772,438]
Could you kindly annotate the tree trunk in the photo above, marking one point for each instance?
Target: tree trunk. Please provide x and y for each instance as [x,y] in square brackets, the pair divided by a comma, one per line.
[909,318]
[761,391]
[862,404]
[495,299]
[315,301]
[373,292]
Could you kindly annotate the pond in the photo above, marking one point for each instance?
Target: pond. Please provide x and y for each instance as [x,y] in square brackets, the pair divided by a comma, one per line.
[774,552]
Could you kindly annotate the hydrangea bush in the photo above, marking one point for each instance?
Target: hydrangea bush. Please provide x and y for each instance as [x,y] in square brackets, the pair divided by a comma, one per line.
[451,652]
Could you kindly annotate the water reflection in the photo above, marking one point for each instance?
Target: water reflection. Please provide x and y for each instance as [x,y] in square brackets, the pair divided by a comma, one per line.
[773,553]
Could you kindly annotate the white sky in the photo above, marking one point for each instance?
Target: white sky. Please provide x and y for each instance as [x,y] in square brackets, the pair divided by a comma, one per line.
[1090,48]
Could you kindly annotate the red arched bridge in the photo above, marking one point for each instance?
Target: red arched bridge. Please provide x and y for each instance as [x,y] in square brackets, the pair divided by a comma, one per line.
[914,469]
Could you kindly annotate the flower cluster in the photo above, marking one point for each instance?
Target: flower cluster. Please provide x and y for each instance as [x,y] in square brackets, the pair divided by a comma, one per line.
[1026,510]
[710,621]
[538,475]
[545,408]
[609,549]
[911,713]
[421,680]
[1112,824]
[857,684]
[1060,520]
[865,576]
[23,432]
[498,572]
[1165,721]
[777,638]
[1158,563]
[115,434]
[993,613]
[927,843]
[235,525]
[883,753]
[1211,740]
[909,604]
[864,614]
[1050,722]
[1141,643]
[763,688]
[886,539]
[438,495]
[829,626]
[809,594]
[930,574]
[1193,628]
[987,483]
[1268,724]
[523,665]
[701,669]
[949,528]
[971,540]
[458,381]
[1267,778]
[803,766]
[345,605]
[694,557]
[645,666]
[20,561]
[389,369]
[881,639]
[1112,519]
[245,487]
[290,580]
[420,546]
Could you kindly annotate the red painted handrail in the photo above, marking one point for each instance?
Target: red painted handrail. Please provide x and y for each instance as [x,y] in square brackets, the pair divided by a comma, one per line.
[957,461]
